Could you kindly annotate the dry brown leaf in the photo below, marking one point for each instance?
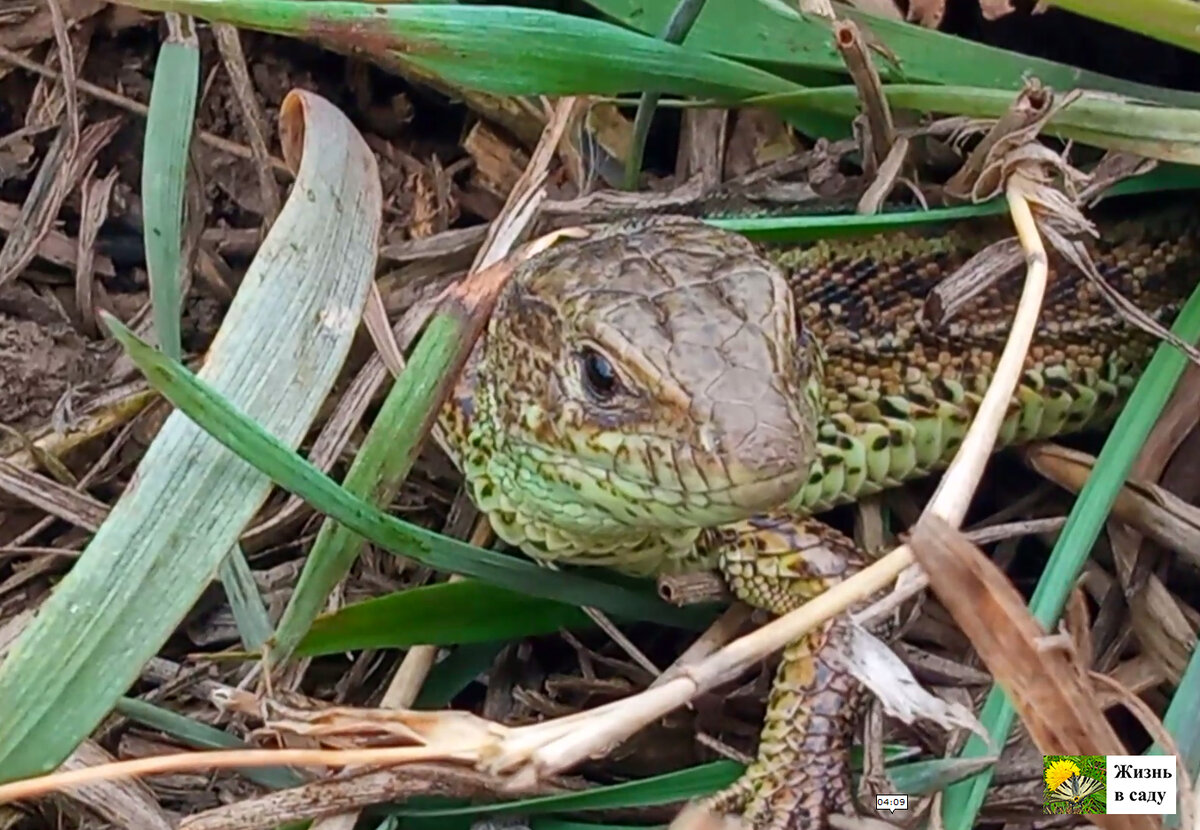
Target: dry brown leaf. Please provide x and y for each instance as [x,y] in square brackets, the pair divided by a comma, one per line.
[122,803]
[1159,514]
[96,194]
[927,13]
[1049,689]
[995,9]
[886,9]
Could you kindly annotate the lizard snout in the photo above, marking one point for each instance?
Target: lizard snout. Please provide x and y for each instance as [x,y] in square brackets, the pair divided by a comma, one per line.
[762,435]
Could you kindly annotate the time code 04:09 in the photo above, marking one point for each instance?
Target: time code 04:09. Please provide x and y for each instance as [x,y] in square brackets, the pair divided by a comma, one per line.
[891,802]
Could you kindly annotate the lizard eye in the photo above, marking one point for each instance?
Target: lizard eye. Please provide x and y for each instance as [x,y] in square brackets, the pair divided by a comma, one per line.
[599,377]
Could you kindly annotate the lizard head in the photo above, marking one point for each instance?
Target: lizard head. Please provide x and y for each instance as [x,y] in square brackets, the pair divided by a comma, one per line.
[646,379]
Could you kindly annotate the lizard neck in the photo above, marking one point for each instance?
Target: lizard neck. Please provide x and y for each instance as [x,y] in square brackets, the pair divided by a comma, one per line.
[535,500]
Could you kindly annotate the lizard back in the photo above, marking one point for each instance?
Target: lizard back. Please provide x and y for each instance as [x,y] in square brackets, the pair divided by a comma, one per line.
[899,391]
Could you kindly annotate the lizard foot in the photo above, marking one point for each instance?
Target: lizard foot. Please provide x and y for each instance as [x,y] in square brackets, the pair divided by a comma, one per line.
[802,771]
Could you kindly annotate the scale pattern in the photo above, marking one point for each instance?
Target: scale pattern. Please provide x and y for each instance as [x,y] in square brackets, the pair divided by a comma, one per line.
[663,396]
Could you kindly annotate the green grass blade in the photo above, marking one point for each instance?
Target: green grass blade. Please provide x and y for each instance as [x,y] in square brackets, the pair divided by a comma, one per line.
[542,52]
[1077,538]
[246,603]
[815,226]
[383,460]
[934,774]
[266,453]
[1156,131]
[1171,21]
[681,20]
[820,226]
[203,736]
[455,673]
[278,351]
[773,35]
[1182,722]
[467,611]
[164,177]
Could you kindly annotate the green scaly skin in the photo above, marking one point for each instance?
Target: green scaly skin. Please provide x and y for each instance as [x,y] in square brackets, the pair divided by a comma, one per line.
[662,396]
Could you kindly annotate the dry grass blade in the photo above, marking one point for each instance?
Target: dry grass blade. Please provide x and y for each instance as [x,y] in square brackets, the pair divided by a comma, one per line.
[1048,688]
[881,130]
[1022,122]
[353,792]
[135,107]
[1158,513]
[61,169]
[253,118]
[66,59]
[54,498]
[55,247]
[95,195]
[127,803]
[957,487]
[107,412]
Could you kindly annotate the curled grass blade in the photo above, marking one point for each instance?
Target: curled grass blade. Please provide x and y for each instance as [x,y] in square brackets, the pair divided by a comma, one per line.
[449,613]
[279,349]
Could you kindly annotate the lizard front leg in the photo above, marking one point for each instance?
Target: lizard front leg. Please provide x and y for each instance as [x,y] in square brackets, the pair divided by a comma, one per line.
[802,772]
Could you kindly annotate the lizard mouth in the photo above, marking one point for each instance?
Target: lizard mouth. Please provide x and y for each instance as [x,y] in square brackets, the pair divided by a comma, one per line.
[649,484]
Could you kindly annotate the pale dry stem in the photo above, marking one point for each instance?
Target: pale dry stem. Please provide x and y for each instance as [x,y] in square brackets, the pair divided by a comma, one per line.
[234,759]
[953,495]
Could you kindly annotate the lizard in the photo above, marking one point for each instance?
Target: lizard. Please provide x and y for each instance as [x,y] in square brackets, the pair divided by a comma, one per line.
[663,396]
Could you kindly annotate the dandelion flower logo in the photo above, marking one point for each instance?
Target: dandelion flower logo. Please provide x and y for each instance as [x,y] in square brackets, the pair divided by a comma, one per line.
[1058,772]
[1074,784]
